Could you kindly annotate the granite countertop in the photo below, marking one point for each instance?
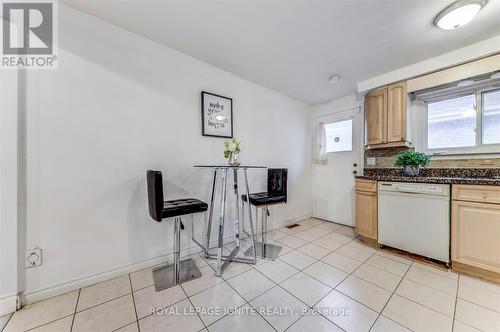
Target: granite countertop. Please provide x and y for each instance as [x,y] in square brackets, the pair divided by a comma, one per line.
[446,176]
[432,179]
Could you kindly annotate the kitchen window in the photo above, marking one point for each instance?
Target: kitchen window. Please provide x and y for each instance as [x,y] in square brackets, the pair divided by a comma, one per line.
[462,121]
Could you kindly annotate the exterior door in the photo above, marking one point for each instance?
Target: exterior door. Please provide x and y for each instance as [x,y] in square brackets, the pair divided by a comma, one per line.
[333,183]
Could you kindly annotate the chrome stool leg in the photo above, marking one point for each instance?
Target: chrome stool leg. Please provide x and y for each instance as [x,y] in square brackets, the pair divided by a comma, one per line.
[173,274]
[264,249]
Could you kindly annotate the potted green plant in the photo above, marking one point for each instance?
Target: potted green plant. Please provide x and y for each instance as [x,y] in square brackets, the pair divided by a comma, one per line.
[411,162]
[232,150]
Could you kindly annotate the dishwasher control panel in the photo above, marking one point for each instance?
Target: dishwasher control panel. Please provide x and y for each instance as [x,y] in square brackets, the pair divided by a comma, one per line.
[417,188]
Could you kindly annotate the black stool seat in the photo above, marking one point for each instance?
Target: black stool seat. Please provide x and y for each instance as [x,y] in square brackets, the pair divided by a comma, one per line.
[178,207]
[264,198]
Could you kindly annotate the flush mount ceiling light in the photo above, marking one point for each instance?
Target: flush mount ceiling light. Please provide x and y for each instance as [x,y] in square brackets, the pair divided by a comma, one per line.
[334,79]
[458,14]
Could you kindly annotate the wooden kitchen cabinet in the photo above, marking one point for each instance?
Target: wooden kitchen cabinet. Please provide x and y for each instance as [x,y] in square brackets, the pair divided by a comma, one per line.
[376,117]
[396,112]
[366,208]
[475,233]
[386,117]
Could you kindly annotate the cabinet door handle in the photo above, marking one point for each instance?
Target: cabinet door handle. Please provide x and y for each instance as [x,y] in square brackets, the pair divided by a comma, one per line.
[354,172]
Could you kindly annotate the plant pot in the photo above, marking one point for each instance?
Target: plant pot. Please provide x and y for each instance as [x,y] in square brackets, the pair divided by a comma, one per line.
[411,170]
[234,159]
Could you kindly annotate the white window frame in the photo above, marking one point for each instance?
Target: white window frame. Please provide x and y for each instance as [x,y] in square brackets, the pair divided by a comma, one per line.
[421,108]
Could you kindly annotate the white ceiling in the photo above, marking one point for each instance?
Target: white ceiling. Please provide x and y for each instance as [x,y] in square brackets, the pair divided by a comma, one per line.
[293,47]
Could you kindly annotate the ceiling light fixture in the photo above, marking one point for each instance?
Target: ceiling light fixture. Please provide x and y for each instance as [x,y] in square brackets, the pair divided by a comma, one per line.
[458,14]
[334,79]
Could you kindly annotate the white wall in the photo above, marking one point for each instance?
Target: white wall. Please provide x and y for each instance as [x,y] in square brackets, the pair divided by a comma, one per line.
[120,104]
[9,281]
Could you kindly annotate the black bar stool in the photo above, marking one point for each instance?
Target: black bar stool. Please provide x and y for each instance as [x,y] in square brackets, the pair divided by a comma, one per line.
[276,194]
[173,274]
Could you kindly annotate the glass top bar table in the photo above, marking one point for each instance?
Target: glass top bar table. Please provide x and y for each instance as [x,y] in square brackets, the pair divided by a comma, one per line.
[224,260]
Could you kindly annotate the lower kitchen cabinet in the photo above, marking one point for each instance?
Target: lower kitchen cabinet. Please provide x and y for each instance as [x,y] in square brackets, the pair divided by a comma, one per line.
[366,211]
[475,235]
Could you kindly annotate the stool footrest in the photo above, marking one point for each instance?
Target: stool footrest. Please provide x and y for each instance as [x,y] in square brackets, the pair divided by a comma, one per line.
[271,251]
[163,276]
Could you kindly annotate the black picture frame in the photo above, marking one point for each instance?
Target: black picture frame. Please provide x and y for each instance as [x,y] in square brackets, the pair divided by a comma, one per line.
[204,116]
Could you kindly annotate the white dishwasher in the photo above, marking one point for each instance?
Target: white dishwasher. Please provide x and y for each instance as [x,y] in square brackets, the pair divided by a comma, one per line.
[415,217]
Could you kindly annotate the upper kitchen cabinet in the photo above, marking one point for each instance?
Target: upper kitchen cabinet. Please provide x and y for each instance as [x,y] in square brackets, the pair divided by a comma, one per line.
[386,114]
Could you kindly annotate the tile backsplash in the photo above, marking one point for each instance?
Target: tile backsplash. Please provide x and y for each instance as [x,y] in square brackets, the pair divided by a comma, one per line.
[385,159]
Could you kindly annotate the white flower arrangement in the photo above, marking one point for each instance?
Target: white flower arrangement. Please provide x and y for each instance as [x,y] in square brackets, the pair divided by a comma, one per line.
[231,146]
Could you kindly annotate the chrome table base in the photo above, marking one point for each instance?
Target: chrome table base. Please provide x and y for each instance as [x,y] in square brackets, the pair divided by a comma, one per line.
[224,260]
[164,276]
[268,251]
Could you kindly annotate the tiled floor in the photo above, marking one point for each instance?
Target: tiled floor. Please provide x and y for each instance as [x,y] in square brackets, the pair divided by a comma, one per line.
[325,279]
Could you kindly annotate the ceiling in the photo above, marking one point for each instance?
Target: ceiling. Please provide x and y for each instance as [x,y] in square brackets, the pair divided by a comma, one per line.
[292,46]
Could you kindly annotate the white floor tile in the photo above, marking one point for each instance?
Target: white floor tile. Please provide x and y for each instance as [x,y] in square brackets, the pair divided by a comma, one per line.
[305,288]
[245,320]
[106,317]
[292,242]
[251,284]
[314,251]
[339,237]
[372,296]
[384,324]
[316,323]
[277,270]
[379,277]
[319,230]
[481,292]
[219,297]
[293,230]
[234,269]
[448,273]
[148,298]
[297,259]
[43,312]
[347,313]
[207,280]
[388,265]
[61,325]
[330,226]
[103,291]
[279,300]
[328,243]
[133,327]
[428,297]
[415,316]
[141,279]
[178,318]
[354,252]
[276,235]
[342,262]
[3,320]
[325,273]
[346,231]
[307,235]
[363,245]
[433,280]
[461,327]
[476,316]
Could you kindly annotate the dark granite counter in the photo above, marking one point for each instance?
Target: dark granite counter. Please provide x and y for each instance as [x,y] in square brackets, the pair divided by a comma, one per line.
[486,176]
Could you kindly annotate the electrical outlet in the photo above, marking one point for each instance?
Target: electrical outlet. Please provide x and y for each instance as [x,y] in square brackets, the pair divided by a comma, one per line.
[33,257]
[371,161]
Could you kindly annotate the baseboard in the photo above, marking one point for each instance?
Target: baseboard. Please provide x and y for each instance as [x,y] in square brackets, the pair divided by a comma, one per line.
[61,288]
[7,304]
